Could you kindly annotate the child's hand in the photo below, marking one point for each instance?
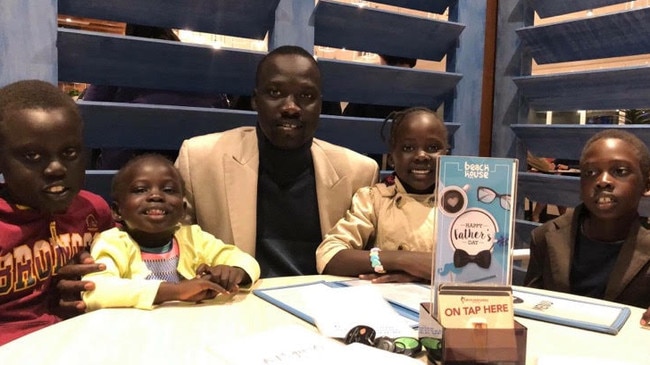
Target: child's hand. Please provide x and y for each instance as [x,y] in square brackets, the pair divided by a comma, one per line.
[645,319]
[197,289]
[408,265]
[66,299]
[227,276]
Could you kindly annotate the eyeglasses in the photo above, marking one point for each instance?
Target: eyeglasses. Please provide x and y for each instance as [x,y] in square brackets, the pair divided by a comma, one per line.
[409,346]
[487,195]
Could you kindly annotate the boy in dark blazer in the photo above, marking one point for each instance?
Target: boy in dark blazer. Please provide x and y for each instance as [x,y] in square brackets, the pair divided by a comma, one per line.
[602,249]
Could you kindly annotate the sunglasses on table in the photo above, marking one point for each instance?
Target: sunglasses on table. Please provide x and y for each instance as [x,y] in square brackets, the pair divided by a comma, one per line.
[409,346]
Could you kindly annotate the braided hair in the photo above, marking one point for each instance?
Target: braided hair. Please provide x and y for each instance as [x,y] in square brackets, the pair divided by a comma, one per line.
[395,119]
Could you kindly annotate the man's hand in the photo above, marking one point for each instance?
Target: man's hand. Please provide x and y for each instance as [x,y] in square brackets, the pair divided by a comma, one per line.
[66,296]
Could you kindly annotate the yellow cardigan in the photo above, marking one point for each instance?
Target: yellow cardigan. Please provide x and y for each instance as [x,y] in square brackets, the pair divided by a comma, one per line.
[124,284]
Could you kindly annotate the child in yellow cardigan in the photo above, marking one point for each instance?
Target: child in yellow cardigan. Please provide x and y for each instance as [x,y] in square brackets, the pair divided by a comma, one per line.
[152,258]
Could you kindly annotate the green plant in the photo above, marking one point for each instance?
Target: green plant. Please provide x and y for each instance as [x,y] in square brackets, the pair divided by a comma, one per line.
[637,116]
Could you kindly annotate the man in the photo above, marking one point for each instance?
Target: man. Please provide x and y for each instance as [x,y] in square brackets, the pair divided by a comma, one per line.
[274,190]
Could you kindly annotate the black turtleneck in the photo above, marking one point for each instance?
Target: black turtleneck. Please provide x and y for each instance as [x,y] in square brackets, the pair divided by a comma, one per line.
[288,225]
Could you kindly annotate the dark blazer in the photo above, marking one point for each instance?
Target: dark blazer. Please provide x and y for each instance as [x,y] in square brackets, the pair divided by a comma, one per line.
[551,254]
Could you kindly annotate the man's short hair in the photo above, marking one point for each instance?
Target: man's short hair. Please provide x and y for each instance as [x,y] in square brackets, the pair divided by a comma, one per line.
[283,51]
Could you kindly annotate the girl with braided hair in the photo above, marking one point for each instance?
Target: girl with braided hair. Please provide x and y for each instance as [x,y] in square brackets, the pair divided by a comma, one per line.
[387,234]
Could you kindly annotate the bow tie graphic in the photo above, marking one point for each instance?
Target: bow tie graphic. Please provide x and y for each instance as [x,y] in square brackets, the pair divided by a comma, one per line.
[482,259]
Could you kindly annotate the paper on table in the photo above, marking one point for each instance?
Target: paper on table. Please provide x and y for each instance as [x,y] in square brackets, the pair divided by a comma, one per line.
[294,298]
[298,345]
[570,311]
[304,299]
[406,295]
[340,309]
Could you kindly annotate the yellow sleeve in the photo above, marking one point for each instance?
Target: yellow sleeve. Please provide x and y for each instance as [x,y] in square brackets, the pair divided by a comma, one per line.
[123,283]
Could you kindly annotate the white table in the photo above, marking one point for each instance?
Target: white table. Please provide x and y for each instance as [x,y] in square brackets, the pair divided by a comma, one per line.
[183,333]
[555,344]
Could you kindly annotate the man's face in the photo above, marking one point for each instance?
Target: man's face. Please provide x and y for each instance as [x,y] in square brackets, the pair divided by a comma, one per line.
[611,182]
[41,158]
[288,100]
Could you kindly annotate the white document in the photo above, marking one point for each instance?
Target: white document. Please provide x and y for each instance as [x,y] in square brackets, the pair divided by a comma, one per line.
[407,295]
[320,299]
[340,309]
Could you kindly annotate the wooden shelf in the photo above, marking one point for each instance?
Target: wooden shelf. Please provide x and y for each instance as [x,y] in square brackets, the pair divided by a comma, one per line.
[535,186]
[614,35]
[341,25]
[438,6]
[104,59]
[248,19]
[546,8]
[567,140]
[387,85]
[165,127]
[621,88]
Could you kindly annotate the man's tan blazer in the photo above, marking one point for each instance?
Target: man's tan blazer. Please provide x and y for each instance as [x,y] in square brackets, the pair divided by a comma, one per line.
[220,172]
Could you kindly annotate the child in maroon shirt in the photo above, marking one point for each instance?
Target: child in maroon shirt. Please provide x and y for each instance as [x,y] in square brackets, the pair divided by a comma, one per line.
[46,220]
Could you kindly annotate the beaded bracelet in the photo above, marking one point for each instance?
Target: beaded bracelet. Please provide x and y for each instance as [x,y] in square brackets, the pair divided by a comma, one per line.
[375,262]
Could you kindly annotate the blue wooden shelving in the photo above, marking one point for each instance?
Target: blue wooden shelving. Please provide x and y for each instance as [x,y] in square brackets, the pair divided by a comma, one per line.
[165,127]
[105,59]
[387,85]
[547,8]
[100,58]
[342,25]
[248,19]
[613,35]
[438,6]
[621,88]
